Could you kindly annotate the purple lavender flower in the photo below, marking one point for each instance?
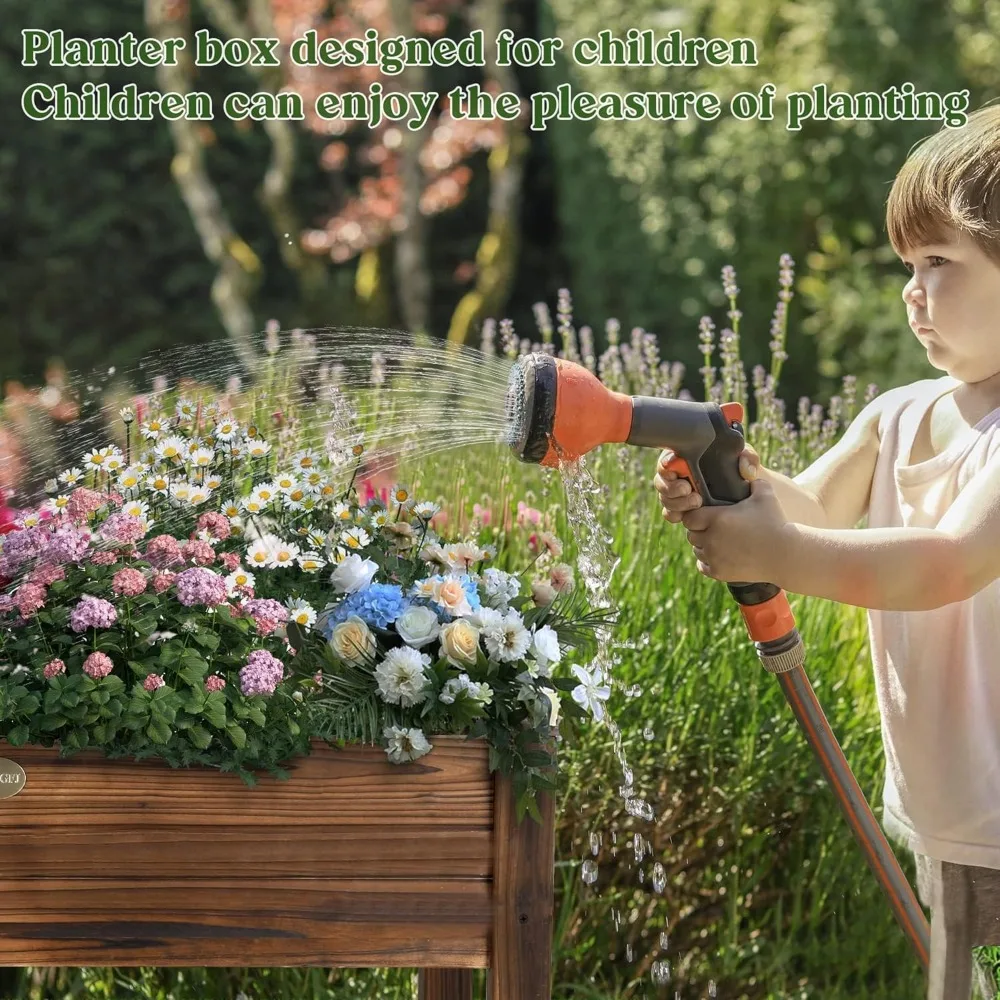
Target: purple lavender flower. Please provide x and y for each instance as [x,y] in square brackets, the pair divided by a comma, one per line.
[200,586]
[262,673]
[92,612]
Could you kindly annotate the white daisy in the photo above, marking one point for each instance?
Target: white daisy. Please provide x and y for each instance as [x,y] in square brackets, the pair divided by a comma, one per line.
[342,512]
[57,505]
[301,612]
[259,552]
[265,494]
[285,482]
[186,409]
[136,508]
[284,554]
[171,448]
[198,496]
[425,510]
[311,562]
[158,484]
[153,428]
[355,538]
[129,480]
[238,578]
[379,519]
[258,448]
[306,459]
[212,482]
[114,460]
[226,429]
[399,496]
[71,476]
[181,491]
[230,509]
[295,499]
[201,458]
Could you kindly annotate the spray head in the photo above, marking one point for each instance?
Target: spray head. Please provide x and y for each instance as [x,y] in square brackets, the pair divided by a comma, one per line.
[558,410]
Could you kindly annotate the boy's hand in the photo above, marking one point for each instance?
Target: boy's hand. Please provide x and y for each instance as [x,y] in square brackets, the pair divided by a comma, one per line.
[678,497]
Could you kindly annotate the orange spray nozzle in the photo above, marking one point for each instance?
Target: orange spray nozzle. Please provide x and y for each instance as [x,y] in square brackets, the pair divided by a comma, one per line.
[559,410]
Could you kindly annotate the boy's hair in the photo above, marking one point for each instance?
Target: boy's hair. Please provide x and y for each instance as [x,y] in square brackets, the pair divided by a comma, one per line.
[951,178]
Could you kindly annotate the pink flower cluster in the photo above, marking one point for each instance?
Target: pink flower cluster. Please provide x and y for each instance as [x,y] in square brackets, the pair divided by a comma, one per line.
[216,524]
[66,544]
[198,552]
[163,551]
[92,612]
[83,502]
[266,613]
[29,598]
[97,665]
[200,586]
[53,668]
[128,583]
[153,681]
[262,673]
[215,683]
[123,528]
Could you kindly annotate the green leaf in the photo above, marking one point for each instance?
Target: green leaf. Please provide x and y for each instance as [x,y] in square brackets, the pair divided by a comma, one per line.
[28,706]
[158,731]
[237,734]
[170,653]
[207,640]
[18,735]
[200,737]
[52,721]
[215,709]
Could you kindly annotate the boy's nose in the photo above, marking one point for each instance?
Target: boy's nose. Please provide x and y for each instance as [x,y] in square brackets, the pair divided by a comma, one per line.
[913,293]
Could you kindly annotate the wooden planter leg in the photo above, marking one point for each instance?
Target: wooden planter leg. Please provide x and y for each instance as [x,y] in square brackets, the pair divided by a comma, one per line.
[445,984]
[523,877]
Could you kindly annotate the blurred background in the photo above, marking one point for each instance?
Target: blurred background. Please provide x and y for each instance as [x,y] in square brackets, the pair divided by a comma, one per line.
[122,239]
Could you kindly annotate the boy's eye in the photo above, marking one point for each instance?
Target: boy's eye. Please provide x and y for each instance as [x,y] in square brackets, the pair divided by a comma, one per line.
[937,261]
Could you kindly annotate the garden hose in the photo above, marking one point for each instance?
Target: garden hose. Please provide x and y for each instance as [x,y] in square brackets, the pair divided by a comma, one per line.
[558,411]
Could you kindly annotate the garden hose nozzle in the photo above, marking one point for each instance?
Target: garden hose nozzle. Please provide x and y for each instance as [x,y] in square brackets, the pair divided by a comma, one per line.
[557,410]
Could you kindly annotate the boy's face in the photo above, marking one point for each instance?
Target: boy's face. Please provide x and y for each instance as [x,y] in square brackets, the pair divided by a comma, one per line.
[953,306]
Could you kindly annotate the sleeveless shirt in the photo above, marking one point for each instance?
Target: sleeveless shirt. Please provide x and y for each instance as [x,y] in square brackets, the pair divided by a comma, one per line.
[937,672]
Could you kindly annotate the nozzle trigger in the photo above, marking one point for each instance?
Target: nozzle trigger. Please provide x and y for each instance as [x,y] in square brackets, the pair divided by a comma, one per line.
[683,470]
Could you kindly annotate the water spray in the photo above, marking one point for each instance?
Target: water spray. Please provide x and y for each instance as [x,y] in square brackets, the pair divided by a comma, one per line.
[558,411]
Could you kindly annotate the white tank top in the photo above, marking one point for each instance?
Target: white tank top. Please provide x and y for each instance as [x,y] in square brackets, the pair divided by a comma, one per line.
[937,673]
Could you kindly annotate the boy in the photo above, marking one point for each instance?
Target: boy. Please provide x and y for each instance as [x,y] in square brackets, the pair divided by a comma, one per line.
[922,462]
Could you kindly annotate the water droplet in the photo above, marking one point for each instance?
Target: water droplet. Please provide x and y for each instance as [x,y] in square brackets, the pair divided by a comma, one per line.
[661,973]
[664,940]
[588,871]
[648,733]
[628,953]
[640,808]
[595,843]
[712,991]
[659,883]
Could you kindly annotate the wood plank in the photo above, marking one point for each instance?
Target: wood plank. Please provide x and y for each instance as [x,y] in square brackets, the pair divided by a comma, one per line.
[351,923]
[449,787]
[444,984]
[330,851]
[524,866]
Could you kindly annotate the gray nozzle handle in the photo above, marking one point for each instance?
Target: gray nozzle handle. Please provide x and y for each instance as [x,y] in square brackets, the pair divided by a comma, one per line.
[699,434]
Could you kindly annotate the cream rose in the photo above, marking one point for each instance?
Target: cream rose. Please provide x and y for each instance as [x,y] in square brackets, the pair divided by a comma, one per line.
[353,641]
[460,643]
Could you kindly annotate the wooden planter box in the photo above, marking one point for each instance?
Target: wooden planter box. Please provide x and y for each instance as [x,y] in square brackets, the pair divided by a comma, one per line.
[353,862]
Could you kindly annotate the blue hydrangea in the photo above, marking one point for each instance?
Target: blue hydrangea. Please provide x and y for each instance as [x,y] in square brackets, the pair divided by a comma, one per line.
[379,604]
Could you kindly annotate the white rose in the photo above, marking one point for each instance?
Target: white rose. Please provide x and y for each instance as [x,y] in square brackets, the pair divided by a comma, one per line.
[353,574]
[418,626]
[353,641]
[546,647]
[460,642]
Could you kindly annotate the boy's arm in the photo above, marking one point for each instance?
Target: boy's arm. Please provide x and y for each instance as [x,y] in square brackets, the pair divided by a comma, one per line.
[834,491]
[903,569]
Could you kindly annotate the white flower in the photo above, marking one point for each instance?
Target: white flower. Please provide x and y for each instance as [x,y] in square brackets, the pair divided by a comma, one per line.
[259,553]
[126,414]
[592,692]
[129,480]
[462,556]
[486,618]
[426,510]
[478,692]
[212,482]
[352,641]
[301,612]
[401,676]
[311,562]
[158,484]
[171,448]
[57,505]
[198,495]
[500,587]
[510,640]
[399,496]
[136,508]
[418,626]
[226,429]
[238,578]
[152,428]
[546,648]
[355,538]
[71,476]
[285,483]
[264,494]
[185,409]
[405,744]
[181,491]
[306,459]
[353,574]
[342,512]
[297,499]
[284,554]
[258,448]
[379,519]
[202,458]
